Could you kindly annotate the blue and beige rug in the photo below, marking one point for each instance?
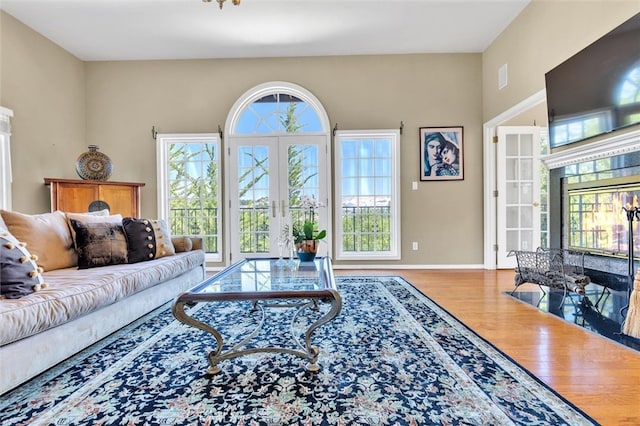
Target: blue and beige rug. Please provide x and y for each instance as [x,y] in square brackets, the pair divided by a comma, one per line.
[392,357]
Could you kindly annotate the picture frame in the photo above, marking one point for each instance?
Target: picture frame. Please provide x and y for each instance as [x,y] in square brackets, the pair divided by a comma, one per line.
[436,141]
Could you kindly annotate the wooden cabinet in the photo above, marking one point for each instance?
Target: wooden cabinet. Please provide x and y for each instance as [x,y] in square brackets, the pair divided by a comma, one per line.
[72,195]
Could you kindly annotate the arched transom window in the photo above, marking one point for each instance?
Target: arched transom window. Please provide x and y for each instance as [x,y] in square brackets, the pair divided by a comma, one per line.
[629,96]
[277,108]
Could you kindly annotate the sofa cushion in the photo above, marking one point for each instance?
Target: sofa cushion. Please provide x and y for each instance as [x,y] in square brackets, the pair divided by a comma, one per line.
[46,235]
[19,273]
[99,244]
[72,293]
[147,239]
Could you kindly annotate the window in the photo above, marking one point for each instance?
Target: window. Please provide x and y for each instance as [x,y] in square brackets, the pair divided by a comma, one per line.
[629,97]
[189,187]
[367,194]
[278,113]
[579,127]
[630,87]
[277,151]
[5,158]
[597,220]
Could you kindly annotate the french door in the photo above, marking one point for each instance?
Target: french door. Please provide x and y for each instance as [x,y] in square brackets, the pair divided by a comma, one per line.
[269,175]
[518,185]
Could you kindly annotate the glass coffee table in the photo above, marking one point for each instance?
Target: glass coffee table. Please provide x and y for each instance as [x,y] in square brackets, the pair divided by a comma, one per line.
[266,283]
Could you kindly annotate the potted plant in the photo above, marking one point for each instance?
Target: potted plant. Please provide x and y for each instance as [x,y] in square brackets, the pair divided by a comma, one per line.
[306,236]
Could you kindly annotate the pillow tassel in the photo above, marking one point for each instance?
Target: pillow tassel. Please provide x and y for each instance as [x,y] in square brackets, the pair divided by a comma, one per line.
[39,287]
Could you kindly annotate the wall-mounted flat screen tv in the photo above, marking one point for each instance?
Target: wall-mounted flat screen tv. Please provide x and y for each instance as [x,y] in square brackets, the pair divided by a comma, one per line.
[597,90]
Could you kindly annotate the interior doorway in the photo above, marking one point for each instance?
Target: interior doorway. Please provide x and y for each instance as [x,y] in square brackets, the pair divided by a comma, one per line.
[490,175]
[520,190]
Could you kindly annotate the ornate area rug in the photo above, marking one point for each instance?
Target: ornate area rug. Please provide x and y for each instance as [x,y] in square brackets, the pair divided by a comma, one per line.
[392,357]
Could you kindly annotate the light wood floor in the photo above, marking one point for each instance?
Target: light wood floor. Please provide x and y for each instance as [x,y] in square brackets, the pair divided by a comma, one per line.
[598,375]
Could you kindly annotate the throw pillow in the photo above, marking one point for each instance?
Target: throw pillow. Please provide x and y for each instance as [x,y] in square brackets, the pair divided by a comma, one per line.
[19,273]
[147,239]
[163,239]
[46,235]
[101,216]
[99,244]
[182,244]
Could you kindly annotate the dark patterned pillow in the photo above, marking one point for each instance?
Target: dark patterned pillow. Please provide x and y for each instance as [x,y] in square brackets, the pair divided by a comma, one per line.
[147,239]
[99,244]
[19,273]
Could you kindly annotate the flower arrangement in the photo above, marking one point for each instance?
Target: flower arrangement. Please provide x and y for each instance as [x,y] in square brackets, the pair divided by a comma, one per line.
[308,230]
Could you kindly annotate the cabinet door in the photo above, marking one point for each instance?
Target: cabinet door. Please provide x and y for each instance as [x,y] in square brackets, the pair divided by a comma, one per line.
[120,198]
[72,197]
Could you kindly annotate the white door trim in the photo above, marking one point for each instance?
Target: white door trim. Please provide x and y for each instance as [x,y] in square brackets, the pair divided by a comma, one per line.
[489,177]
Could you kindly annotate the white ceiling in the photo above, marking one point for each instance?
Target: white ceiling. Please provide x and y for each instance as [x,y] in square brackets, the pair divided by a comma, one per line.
[96,30]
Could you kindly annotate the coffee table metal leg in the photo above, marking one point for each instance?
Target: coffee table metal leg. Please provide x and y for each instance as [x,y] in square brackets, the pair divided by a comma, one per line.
[311,352]
[181,315]
[308,352]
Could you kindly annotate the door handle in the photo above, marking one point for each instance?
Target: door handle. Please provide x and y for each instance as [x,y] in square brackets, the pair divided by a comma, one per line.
[273,208]
[536,204]
[283,208]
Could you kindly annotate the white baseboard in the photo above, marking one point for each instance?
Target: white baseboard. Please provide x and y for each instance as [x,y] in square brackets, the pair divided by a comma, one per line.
[390,267]
[383,267]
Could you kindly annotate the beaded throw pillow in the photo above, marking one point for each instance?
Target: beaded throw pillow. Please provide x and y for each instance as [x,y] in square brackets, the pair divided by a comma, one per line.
[19,273]
[147,239]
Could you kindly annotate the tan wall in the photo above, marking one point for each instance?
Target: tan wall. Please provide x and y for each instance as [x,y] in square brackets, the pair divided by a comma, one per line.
[44,86]
[546,33]
[125,99]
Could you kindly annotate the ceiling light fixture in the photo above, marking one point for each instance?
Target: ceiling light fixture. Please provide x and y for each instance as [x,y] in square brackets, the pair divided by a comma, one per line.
[221,2]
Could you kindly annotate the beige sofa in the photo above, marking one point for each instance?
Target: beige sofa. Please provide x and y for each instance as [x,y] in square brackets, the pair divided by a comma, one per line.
[75,308]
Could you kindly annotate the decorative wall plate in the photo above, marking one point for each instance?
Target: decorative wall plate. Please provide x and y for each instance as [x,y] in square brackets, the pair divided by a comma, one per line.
[94,165]
[97,205]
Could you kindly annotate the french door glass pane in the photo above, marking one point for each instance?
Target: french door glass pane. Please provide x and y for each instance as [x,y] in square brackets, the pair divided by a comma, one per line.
[253,196]
[303,178]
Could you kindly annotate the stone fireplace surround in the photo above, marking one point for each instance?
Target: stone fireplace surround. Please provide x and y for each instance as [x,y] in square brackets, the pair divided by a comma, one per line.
[624,148]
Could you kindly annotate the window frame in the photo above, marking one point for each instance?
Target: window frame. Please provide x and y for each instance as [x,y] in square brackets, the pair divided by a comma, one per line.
[5,158]
[393,135]
[164,141]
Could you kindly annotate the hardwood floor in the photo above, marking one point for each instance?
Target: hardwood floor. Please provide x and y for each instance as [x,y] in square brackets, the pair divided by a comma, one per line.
[599,376]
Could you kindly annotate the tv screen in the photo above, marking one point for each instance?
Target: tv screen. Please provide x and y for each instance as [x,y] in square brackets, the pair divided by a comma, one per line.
[597,90]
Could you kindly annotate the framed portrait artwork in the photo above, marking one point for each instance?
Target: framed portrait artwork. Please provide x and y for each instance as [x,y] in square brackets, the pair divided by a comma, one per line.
[441,153]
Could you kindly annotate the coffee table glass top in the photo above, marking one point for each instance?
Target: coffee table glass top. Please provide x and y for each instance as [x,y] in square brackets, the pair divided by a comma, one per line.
[259,278]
